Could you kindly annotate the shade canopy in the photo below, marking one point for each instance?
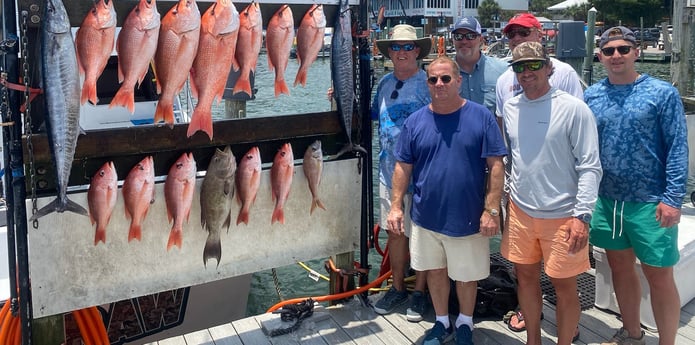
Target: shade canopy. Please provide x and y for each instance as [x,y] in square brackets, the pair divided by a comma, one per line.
[567,4]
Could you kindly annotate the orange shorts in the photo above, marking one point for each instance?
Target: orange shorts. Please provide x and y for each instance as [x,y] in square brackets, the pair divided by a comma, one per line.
[528,240]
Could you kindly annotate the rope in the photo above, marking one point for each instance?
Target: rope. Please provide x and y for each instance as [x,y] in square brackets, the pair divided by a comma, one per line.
[294,312]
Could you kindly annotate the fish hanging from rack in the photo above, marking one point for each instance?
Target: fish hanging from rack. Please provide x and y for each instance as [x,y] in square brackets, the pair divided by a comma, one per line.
[94,43]
[342,74]
[278,43]
[101,198]
[219,30]
[136,45]
[138,195]
[248,46]
[248,180]
[177,45]
[216,195]
[313,168]
[179,188]
[61,84]
[310,36]
[281,174]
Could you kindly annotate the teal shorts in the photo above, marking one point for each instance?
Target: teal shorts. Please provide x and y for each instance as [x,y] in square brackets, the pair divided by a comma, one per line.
[618,225]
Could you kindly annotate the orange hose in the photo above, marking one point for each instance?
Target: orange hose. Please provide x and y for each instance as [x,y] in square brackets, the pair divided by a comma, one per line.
[14,326]
[5,325]
[99,327]
[17,339]
[84,328]
[324,298]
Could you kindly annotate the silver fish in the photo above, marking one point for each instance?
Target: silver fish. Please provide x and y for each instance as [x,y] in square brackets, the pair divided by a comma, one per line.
[61,83]
[342,73]
[216,195]
[313,167]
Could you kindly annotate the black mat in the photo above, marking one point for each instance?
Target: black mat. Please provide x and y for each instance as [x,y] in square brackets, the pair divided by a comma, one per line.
[585,285]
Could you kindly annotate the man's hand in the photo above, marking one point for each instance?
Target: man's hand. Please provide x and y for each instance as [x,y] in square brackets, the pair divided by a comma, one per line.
[576,233]
[667,216]
[395,222]
[489,224]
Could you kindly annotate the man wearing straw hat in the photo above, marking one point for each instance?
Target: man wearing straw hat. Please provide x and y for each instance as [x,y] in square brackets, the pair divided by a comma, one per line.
[399,94]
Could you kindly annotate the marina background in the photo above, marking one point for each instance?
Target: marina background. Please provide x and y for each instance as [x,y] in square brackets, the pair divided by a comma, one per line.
[293,280]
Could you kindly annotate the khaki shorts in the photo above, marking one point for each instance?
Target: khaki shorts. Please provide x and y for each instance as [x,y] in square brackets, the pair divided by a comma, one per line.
[466,258]
[385,207]
[527,240]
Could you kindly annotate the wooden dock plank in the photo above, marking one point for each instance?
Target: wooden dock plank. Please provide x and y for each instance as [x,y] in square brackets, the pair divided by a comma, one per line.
[201,337]
[249,331]
[225,334]
[361,327]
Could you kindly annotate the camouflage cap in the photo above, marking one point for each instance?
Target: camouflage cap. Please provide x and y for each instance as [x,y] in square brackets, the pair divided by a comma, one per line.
[528,51]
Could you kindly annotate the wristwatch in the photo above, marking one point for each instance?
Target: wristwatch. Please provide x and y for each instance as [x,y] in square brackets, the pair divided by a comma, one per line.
[584,217]
[493,212]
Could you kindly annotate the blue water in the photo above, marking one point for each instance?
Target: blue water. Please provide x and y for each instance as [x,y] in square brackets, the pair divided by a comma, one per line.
[293,280]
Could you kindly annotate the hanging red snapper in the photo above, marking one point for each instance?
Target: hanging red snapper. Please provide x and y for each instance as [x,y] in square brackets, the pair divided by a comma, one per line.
[309,40]
[281,180]
[219,30]
[94,44]
[101,197]
[179,188]
[278,42]
[176,48]
[249,45]
[248,180]
[136,45]
[138,194]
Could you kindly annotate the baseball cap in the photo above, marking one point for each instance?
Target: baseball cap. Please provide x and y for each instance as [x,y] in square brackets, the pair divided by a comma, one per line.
[528,51]
[468,23]
[526,20]
[617,33]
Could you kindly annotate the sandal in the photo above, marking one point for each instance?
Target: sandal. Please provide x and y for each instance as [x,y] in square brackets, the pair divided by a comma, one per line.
[519,325]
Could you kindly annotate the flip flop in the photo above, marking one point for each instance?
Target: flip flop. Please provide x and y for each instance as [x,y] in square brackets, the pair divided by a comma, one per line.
[519,319]
[576,336]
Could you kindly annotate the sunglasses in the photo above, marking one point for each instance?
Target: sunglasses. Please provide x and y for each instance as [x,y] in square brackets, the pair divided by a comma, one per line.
[528,66]
[469,36]
[446,79]
[397,47]
[611,50]
[521,32]
[399,85]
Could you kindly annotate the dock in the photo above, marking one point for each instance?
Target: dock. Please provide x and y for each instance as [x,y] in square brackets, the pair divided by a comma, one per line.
[353,323]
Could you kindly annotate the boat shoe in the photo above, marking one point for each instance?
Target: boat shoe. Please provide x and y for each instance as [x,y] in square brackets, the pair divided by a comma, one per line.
[622,337]
[438,334]
[418,304]
[391,300]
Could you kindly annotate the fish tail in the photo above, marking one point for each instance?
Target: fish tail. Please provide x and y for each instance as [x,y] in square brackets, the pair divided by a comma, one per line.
[281,87]
[57,205]
[175,238]
[125,97]
[316,202]
[278,215]
[164,112]
[213,249]
[89,92]
[242,85]
[201,120]
[301,77]
[100,235]
[243,217]
[135,232]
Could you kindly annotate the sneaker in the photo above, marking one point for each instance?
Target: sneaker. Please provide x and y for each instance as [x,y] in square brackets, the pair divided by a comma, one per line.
[464,335]
[392,299]
[622,337]
[417,307]
[438,334]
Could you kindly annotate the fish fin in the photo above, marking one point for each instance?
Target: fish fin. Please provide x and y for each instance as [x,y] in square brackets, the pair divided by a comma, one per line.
[243,216]
[228,221]
[194,87]
[278,215]
[57,206]
[201,120]
[235,64]
[301,77]
[135,232]
[175,238]
[281,87]
[350,147]
[242,85]
[316,203]
[164,112]
[100,235]
[213,248]
[271,67]
[121,76]
[125,97]
[89,92]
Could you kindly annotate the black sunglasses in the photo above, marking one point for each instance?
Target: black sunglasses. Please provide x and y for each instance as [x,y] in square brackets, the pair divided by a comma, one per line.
[468,36]
[407,47]
[609,51]
[530,66]
[394,94]
[521,32]
[446,79]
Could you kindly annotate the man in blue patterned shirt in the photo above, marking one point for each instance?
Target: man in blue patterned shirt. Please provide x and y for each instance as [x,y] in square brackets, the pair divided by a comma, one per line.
[644,155]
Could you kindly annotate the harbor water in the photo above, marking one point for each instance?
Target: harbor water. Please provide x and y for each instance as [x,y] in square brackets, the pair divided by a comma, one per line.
[294,281]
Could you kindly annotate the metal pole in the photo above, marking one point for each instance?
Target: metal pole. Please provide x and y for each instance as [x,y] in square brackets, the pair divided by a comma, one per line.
[588,68]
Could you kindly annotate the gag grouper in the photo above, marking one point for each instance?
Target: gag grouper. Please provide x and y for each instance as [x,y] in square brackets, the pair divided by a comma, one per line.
[342,73]
[61,83]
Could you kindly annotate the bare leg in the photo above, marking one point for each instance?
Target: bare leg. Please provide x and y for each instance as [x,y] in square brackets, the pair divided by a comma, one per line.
[466,292]
[665,303]
[398,257]
[628,290]
[530,300]
[568,308]
[438,282]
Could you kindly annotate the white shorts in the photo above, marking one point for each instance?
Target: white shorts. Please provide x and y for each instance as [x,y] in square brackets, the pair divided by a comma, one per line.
[466,258]
[385,207]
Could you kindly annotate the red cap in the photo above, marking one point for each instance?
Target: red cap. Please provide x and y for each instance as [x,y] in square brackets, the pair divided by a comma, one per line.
[526,20]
